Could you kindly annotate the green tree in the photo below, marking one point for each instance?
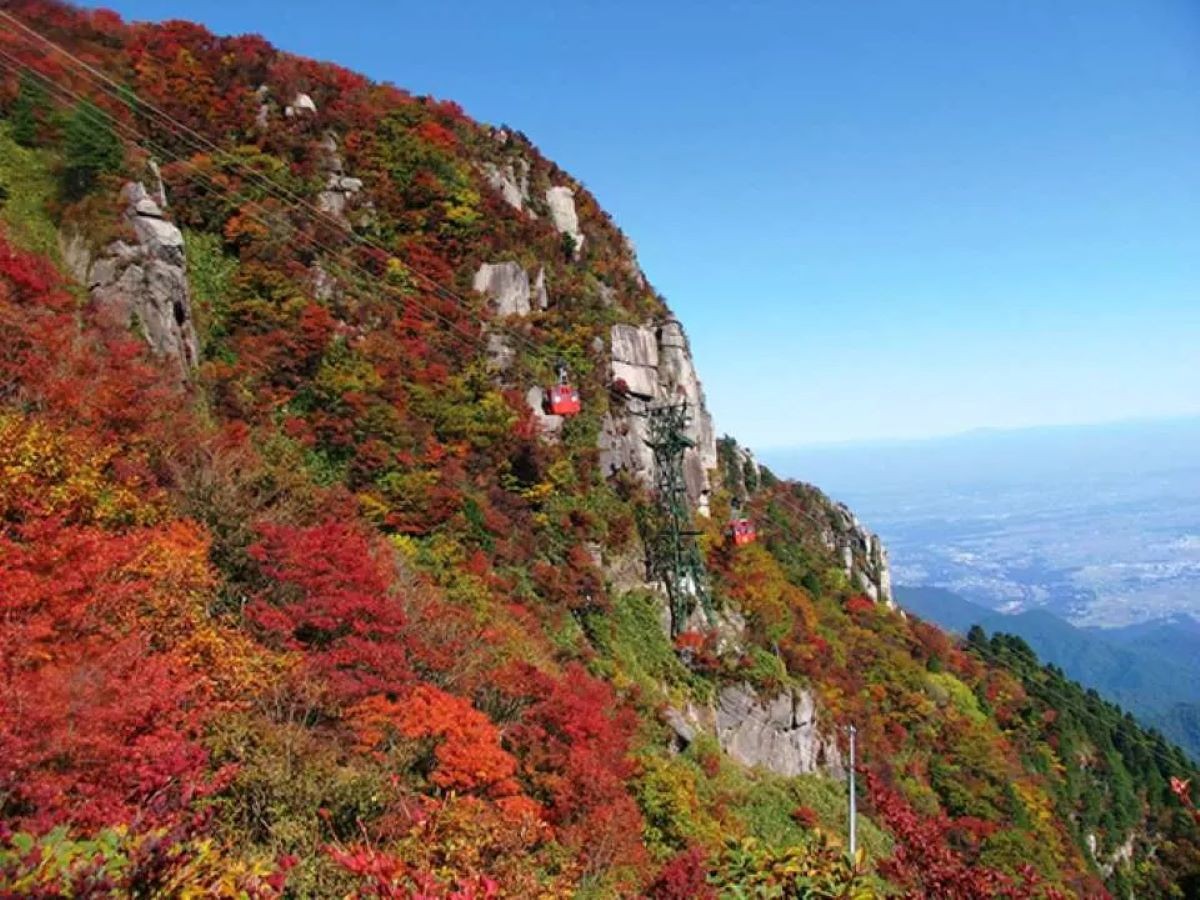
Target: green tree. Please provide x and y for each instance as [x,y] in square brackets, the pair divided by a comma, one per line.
[90,148]
[31,99]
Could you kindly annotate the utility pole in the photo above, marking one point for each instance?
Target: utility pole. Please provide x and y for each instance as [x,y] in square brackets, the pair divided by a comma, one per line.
[853,799]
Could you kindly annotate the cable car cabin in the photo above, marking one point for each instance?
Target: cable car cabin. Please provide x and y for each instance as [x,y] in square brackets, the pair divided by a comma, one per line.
[563,400]
[741,531]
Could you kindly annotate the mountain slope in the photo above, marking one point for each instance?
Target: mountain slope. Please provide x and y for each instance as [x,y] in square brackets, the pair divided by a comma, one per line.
[308,592]
[1151,669]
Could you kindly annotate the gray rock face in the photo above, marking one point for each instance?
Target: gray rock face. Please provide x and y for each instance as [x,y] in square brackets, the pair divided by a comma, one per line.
[511,181]
[655,364]
[500,353]
[340,189]
[158,191]
[864,558]
[331,156]
[634,268]
[262,117]
[635,359]
[622,445]
[561,201]
[145,284]
[780,734]
[507,287]
[1120,856]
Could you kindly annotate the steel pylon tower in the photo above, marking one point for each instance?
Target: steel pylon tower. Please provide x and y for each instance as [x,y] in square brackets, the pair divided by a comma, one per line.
[675,557]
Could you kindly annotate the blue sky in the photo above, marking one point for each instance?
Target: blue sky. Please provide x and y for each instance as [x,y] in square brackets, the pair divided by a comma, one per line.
[876,219]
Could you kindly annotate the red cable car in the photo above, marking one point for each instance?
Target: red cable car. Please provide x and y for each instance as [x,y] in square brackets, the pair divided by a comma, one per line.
[742,531]
[563,399]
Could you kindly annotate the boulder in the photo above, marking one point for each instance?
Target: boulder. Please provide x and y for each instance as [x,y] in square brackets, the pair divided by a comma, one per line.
[159,191]
[262,117]
[335,199]
[780,733]
[330,153]
[301,104]
[500,353]
[561,201]
[507,287]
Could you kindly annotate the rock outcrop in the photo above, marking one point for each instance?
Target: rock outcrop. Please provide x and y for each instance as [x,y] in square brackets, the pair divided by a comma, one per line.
[864,558]
[342,192]
[144,285]
[780,734]
[508,288]
[654,364]
[301,105]
[511,181]
[561,201]
[1122,855]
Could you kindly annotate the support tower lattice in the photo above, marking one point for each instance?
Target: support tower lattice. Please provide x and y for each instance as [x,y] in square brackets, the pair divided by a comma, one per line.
[674,553]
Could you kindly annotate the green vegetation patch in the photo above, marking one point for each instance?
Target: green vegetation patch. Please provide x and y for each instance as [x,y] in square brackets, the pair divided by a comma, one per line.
[26,188]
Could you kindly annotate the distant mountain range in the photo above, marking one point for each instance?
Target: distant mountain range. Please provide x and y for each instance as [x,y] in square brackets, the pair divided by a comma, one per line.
[1151,668]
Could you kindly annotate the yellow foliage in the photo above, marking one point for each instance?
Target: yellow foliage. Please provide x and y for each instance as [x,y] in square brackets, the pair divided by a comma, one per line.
[174,609]
[48,471]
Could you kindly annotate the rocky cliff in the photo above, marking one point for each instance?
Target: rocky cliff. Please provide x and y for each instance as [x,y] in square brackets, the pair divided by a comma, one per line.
[651,364]
[780,733]
[142,281]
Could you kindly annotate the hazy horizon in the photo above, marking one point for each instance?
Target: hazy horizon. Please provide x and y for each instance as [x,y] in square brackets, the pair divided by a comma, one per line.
[1099,524]
[1192,417]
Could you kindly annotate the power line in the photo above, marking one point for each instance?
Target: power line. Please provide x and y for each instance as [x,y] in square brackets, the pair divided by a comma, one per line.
[196,140]
[96,114]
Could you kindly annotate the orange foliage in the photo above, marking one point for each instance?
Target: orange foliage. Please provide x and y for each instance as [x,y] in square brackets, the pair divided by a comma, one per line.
[467,753]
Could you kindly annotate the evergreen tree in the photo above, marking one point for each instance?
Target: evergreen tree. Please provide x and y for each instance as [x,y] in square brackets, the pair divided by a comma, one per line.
[26,110]
[91,149]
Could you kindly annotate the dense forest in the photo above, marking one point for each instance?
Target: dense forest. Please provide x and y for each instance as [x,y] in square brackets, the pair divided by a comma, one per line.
[305,592]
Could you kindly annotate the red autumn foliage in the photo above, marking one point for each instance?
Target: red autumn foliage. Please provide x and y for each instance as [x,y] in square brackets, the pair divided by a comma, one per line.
[332,600]
[859,605]
[924,864]
[98,721]
[384,876]
[684,877]
[805,817]
[1182,788]
[572,743]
